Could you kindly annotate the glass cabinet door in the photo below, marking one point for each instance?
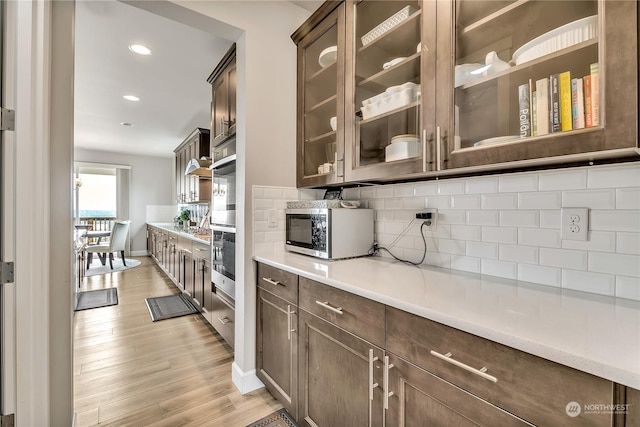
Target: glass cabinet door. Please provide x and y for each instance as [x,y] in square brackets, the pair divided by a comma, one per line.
[385,89]
[527,79]
[321,100]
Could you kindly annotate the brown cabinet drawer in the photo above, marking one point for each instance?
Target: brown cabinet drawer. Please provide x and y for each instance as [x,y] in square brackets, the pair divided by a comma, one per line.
[278,282]
[223,319]
[201,250]
[530,387]
[358,315]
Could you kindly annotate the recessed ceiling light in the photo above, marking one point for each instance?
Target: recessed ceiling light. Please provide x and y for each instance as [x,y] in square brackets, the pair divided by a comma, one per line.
[140,49]
[131,98]
[126,124]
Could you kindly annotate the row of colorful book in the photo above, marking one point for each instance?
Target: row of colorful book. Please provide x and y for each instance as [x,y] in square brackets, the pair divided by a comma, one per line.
[559,103]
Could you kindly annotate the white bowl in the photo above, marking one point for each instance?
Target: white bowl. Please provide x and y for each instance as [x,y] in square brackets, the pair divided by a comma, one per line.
[328,56]
[333,122]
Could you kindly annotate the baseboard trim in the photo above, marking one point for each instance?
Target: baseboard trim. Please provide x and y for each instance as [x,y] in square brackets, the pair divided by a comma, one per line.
[139,253]
[245,382]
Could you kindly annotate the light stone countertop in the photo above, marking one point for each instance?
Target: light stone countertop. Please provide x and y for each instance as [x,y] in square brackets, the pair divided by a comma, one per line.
[592,333]
[169,227]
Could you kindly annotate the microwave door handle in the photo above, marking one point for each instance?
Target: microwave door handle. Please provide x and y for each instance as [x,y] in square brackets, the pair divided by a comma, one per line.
[222,228]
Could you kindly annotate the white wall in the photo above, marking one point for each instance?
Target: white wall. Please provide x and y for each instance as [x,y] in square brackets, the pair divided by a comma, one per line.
[152,183]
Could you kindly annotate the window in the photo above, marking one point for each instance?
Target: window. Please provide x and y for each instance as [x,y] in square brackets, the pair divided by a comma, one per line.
[97,194]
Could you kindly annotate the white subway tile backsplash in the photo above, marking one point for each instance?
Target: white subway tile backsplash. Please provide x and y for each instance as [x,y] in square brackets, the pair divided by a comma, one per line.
[427,188]
[540,200]
[614,176]
[499,234]
[499,268]
[550,218]
[599,241]
[351,193]
[258,192]
[530,219]
[622,264]
[593,199]
[439,202]
[264,204]
[377,204]
[481,185]
[539,237]
[448,246]
[368,193]
[628,198]
[465,263]
[516,183]
[482,250]
[564,258]
[416,203]
[393,204]
[394,227]
[571,179]
[451,217]
[382,215]
[520,254]
[451,186]
[466,232]
[550,276]
[274,193]
[404,215]
[404,190]
[465,202]
[628,243]
[383,192]
[499,201]
[483,217]
[609,220]
[603,284]
[628,287]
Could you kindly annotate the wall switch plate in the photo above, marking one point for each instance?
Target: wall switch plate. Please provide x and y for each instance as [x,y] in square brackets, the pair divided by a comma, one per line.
[272,217]
[574,223]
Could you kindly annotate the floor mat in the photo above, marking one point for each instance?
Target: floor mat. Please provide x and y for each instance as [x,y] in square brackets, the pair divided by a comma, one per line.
[169,306]
[280,418]
[95,299]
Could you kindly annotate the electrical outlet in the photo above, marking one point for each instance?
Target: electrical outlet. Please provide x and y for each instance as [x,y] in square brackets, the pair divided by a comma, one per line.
[430,215]
[575,223]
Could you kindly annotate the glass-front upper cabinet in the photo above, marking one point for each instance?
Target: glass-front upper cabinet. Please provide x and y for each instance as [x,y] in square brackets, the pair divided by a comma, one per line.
[386,97]
[536,80]
[320,147]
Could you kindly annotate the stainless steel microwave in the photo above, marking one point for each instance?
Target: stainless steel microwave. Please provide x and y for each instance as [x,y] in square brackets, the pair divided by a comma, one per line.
[329,233]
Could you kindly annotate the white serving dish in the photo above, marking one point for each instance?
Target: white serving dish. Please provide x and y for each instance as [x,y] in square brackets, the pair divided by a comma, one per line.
[394,97]
[560,38]
[388,24]
[497,140]
[328,56]
[393,62]
[465,73]
[402,147]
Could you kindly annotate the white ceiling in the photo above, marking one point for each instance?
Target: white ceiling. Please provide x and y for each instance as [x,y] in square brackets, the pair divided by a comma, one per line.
[171,82]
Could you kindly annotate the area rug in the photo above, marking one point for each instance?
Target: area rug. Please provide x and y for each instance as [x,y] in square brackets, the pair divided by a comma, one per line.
[280,418]
[169,306]
[95,299]
[97,268]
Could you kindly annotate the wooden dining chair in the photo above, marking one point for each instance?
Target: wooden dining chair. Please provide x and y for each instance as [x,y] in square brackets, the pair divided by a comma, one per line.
[117,243]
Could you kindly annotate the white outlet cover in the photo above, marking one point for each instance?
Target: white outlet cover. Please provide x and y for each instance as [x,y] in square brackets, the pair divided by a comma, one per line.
[574,223]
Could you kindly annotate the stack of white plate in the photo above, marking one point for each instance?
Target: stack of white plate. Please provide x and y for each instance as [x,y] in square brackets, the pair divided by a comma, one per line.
[402,147]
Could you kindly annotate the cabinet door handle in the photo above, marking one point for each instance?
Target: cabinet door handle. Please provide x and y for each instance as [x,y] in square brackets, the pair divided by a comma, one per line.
[482,372]
[372,385]
[289,328]
[438,148]
[273,282]
[224,320]
[385,380]
[326,305]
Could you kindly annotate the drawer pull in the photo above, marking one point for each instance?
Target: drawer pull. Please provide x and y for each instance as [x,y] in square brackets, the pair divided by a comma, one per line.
[224,320]
[482,372]
[326,305]
[273,282]
[385,380]
[372,385]
[289,329]
[201,250]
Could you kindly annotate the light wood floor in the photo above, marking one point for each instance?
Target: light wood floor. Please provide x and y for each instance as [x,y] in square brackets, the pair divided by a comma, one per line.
[129,371]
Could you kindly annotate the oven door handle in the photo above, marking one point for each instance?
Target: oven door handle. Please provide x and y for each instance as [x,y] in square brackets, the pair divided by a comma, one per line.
[223,228]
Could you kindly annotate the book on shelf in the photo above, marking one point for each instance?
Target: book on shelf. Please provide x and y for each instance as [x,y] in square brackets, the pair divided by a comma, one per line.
[586,83]
[566,120]
[524,110]
[577,103]
[554,101]
[595,95]
[542,106]
[534,113]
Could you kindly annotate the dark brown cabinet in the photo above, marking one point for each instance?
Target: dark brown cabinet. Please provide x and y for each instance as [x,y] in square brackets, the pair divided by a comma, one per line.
[421,89]
[202,280]
[190,188]
[185,265]
[223,81]
[223,317]
[277,335]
